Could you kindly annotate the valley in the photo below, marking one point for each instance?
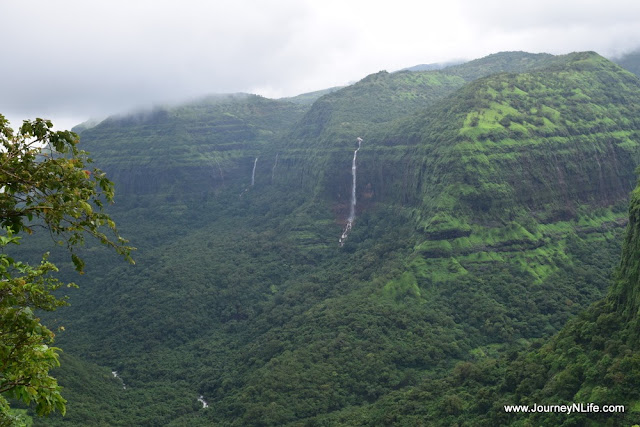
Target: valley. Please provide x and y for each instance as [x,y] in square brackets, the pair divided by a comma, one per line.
[468,266]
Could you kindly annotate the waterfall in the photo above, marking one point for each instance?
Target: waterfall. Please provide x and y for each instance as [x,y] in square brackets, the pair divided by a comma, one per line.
[115,375]
[253,174]
[204,403]
[352,206]
[253,177]
[352,209]
[273,170]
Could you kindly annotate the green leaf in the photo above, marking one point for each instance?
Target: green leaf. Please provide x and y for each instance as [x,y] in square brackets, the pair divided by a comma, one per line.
[77,262]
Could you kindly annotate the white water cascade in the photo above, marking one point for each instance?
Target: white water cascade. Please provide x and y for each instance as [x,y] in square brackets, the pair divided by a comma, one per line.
[273,170]
[115,375]
[253,174]
[352,206]
[204,403]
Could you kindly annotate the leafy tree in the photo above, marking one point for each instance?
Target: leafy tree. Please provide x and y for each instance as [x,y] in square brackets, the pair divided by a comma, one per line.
[43,183]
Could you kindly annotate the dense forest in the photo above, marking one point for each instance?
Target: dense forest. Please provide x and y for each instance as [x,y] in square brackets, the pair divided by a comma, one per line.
[482,268]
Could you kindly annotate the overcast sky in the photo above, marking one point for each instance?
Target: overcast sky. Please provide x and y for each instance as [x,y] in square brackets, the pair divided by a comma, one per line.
[71,60]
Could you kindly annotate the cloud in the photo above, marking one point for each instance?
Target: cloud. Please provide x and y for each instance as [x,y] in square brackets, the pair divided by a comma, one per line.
[611,27]
[74,58]
[550,14]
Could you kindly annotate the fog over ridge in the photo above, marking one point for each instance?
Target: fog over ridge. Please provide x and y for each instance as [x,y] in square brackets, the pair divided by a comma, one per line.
[72,60]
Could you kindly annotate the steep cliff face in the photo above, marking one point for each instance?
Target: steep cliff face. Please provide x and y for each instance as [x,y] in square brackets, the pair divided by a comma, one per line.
[626,292]
[547,141]
[495,143]
[508,167]
[510,163]
[191,149]
[317,149]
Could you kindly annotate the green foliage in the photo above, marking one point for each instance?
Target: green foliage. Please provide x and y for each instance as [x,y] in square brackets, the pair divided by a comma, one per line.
[44,184]
[509,62]
[594,358]
[24,344]
[405,286]
[42,176]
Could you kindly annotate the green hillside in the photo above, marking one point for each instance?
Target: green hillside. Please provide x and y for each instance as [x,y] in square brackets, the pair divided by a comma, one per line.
[592,360]
[317,149]
[310,97]
[513,159]
[502,62]
[491,206]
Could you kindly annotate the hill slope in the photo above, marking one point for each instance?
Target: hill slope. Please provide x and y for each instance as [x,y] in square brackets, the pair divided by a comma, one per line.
[592,360]
[489,212]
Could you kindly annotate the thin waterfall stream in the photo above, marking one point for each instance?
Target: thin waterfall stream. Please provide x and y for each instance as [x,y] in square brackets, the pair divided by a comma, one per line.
[253,173]
[273,170]
[352,206]
[203,402]
[115,375]
[253,177]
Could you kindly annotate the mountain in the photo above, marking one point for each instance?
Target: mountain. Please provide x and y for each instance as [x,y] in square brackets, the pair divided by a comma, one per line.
[506,146]
[191,147]
[491,204]
[593,360]
[629,61]
[310,97]
[86,125]
[432,67]
[383,97]
[509,62]
[318,145]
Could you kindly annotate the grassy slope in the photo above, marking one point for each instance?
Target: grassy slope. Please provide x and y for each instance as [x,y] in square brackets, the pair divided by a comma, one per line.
[515,161]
